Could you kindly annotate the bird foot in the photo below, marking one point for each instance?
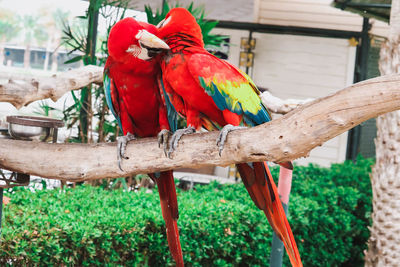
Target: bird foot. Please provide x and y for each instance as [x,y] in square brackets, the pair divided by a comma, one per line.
[223,134]
[162,138]
[173,141]
[122,142]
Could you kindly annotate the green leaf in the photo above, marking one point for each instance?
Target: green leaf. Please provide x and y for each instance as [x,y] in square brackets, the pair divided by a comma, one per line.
[74,59]
[198,12]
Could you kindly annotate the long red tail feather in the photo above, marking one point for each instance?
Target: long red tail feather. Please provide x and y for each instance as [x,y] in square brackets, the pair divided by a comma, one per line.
[262,190]
[169,208]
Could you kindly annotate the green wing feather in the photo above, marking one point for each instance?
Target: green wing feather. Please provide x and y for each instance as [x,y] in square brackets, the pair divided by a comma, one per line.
[229,87]
[109,90]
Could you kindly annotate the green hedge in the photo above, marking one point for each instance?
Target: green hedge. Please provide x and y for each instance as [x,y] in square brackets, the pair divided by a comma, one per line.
[86,226]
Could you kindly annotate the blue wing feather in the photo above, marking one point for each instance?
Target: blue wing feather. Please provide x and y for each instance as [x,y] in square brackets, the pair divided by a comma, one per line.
[172,114]
[230,88]
[223,102]
[107,91]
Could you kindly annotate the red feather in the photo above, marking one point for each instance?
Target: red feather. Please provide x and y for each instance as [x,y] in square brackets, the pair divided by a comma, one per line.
[182,67]
[169,209]
[136,100]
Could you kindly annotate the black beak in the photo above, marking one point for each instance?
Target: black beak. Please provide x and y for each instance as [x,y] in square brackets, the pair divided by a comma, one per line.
[153,51]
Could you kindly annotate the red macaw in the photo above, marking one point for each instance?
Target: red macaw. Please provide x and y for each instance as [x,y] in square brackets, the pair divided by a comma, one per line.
[133,96]
[212,93]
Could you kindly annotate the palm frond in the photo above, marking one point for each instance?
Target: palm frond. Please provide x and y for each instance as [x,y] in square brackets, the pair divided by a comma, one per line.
[154,17]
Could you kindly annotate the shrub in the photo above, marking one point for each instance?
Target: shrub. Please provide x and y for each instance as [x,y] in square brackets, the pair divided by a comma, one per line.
[219,225]
[330,211]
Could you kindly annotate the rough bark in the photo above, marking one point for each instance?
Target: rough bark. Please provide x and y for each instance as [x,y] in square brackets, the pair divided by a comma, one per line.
[21,90]
[287,138]
[384,241]
[280,106]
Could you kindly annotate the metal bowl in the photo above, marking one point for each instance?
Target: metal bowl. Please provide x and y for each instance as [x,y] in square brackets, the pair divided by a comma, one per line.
[27,132]
[28,127]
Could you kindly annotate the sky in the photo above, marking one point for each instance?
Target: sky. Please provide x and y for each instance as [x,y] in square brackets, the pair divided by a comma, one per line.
[22,7]
[75,7]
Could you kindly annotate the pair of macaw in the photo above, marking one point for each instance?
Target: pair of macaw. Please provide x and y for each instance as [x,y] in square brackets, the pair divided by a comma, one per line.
[149,79]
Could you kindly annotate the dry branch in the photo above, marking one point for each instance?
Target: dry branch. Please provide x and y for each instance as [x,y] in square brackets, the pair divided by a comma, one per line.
[21,90]
[287,138]
[280,106]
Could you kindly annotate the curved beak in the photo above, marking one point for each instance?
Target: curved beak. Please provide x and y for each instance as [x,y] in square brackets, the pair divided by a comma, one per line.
[151,42]
[160,24]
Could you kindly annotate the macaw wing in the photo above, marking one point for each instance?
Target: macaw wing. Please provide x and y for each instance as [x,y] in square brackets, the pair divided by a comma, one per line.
[165,93]
[111,92]
[229,87]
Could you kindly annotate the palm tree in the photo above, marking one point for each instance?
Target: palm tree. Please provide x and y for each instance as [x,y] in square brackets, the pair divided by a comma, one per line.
[384,241]
[59,19]
[32,31]
[8,30]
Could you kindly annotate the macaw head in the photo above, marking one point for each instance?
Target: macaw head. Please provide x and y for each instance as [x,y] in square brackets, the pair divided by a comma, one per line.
[179,22]
[133,42]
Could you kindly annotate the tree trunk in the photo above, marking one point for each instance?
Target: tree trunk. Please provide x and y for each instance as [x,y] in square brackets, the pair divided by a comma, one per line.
[27,56]
[384,241]
[1,54]
[54,57]
[54,61]
[2,45]
[50,41]
[46,60]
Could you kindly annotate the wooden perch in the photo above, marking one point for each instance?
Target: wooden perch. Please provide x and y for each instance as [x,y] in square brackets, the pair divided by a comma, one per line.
[20,90]
[279,106]
[287,138]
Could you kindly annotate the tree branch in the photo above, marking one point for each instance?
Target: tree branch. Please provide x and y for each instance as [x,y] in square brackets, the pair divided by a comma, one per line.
[279,106]
[287,138]
[20,90]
